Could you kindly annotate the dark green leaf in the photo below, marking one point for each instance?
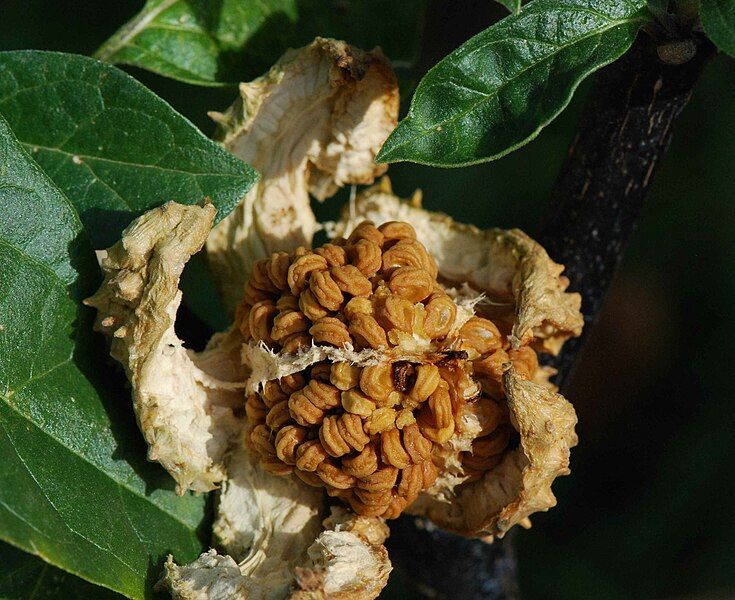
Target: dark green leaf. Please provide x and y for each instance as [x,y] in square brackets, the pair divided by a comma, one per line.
[214,42]
[499,89]
[112,146]
[513,6]
[75,488]
[718,20]
[27,577]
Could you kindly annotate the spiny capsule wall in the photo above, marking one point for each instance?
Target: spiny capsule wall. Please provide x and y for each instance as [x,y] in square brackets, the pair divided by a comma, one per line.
[367,434]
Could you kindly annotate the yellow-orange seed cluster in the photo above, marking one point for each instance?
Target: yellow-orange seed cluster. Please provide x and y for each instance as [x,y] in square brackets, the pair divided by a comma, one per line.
[367,434]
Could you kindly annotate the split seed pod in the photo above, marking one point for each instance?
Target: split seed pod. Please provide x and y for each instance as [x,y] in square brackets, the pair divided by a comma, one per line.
[393,369]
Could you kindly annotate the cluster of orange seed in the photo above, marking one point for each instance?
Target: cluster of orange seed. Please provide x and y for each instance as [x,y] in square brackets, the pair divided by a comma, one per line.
[367,433]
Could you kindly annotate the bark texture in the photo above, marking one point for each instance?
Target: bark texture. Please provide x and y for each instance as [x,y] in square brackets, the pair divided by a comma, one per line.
[624,132]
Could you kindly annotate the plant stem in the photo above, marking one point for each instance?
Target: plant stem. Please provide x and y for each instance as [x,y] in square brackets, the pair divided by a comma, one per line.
[624,132]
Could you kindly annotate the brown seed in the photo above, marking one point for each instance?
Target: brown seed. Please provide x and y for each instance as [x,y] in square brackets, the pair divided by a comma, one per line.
[481,335]
[260,321]
[525,361]
[344,375]
[259,277]
[330,437]
[382,479]
[366,231]
[272,393]
[336,256]
[350,428]
[278,416]
[303,411]
[351,281]
[363,464]
[331,474]
[301,269]
[408,253]
[322,395]
[325,290]
[321,371]
[332,331]
[396,231]
[391,449]
[417,446]
[366,256]
[397,313]
[441,311]
[260,438]
[309,455]
[288,323]
[310,306]
[367,332]
[277,269]
[411,283]
[427,380]
[288,440]
[412,482]
[357,403]
[295,342]
[255,409]
[377,382]
[290,383]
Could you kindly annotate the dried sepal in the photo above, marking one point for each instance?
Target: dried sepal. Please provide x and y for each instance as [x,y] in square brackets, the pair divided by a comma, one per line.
[524,286]
[185,402]
[521,484]
[310,125]
[278,547]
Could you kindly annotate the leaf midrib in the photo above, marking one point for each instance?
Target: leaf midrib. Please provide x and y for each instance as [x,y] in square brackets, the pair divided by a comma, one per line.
[132,30]
[487,96]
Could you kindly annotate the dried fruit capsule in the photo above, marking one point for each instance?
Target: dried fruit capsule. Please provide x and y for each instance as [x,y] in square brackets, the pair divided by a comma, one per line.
[367,432]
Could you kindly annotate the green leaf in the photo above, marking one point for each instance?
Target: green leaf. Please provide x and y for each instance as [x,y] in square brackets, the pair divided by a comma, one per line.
[499,89]
[216,42]
[718,20]
[27,577]
[112,146]
[75,488]
[513,6]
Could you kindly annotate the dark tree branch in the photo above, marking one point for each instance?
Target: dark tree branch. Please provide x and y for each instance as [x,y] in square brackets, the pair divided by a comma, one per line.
[624,132]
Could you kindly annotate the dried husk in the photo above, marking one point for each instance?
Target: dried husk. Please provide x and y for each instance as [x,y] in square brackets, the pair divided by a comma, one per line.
[185,402]
[525,288]
[310,125]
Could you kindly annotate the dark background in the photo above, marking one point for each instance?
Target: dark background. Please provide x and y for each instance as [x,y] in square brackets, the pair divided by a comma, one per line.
[649,511]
